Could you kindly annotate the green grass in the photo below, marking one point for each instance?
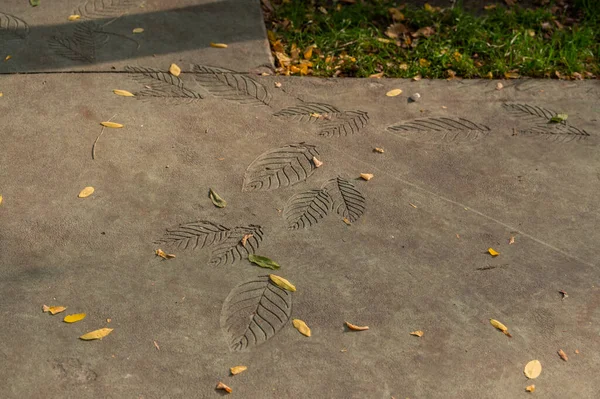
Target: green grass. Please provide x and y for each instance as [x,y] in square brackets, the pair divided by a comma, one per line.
[348,39]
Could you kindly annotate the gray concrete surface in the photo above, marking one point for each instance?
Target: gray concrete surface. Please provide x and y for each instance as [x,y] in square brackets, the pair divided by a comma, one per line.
[474,182]
[42,39]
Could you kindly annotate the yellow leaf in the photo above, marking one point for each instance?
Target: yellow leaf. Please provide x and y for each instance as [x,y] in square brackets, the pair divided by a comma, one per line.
[96,334]
[317,163]
[113,125]
[0,200]
[377,75]
[73,318]
[123,93]
[379,150]
[500,327]
[424,63]
[396,14]
[74,17]
[411,204]
[1,94]
[533,369]
[511,75]
[245,239]
[347,221]
[563,355]
[393,93]
[53,309]
[383,40]
[218,45]
[428,8]
[417,333]
[354,327]
[174,70]
[138,30]
[301,327]
[492,252]
[86,192]
[282,283]
[8,57]
[530,388]
[223,387]
[163,254]
[489,7]
[308,52]
[366,176]
[511,241]
[416,78]
[237,369]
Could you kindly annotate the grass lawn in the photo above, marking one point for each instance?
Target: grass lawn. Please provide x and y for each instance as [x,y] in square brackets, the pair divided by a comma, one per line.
[361,38]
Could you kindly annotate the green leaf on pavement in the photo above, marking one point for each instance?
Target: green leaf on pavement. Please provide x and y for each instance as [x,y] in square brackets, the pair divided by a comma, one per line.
[559,118]
[34,3]
[263,261]
[216,199]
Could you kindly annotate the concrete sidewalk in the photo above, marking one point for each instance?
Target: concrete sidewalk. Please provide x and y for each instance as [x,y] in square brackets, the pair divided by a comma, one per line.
[464,169]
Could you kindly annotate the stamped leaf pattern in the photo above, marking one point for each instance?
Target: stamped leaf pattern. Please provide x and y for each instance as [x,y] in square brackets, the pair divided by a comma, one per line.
[543,123]
[82,45]
[105,8]
[338,195]
[306,209]
[160,84]
[254,312]
[280,167]
[225,243]
[332,121]
[12,27]
[438,130]
[347,201]
[308,112]
[230,85]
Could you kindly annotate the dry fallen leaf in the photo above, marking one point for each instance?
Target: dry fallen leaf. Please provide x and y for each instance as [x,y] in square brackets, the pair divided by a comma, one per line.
[156,345]
[499,86]
[245,239]
[237,369]
[163,254]
[8,57]
[278,84]
[366,176]
[113,125]
[411,204]
[563,355]
[96,334]
[53,309]
[301,327]
[533,369]
[308,52]
[416,78]
[493,252]
[174,70]
[123,93]
[74,318]
[511,75]
[218,45]
[379,150]
[108,320]
[74,17]
[377,75]
[86,192]
[0,200]
[394,93]
[282,283]
[354,327]
[347,221]
[511,241]
[216,199]
[530,388]
[500,327]
[138,30]
[417,333]
[317,163]
[577,351]
[223,387]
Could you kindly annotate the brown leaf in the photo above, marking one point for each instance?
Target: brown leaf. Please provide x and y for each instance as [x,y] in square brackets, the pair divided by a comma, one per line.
[563,355]
[347,221]
[510,3]
[417,333]
[245,239]
[278,84]
[163,254]
[223,387]
[354,327]
[379,150]
[411,204]
[316,162]
[366,176]
[425,32]
[564,294]
[237,370]
[511,240]
[395,30]
[156,345]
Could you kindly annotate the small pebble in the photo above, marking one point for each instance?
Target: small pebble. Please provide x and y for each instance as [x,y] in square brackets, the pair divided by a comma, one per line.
[415,97]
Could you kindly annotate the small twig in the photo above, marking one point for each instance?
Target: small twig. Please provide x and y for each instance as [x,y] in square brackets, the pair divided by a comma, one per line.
[98,138]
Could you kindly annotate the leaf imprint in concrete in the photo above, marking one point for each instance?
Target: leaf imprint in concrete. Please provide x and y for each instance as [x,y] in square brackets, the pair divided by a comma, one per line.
[338,195]
[280,167]
[225,243]
[231,85]
[254,312]
[12,27]
[160,84]
[332,121]
[440,130]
